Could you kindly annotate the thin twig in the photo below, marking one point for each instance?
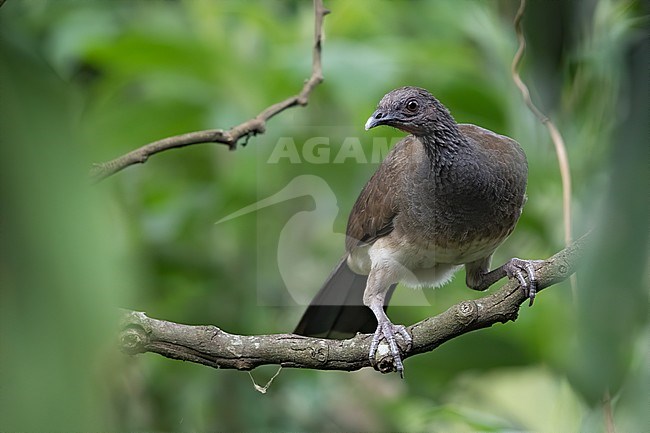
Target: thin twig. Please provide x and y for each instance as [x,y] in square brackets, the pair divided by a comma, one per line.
[556,137]
[209,345]
[230,137]
[608,413]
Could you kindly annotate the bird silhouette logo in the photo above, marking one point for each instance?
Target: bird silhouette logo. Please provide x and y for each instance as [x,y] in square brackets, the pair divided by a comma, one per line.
[307,231]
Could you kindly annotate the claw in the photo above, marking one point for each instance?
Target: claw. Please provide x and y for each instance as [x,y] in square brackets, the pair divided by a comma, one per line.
[516,268]
[387,331]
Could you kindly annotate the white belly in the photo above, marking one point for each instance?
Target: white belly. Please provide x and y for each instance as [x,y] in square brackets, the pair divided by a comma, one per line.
[417,265]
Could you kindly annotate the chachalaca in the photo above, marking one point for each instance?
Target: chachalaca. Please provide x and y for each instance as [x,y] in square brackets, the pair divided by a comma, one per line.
[446,195]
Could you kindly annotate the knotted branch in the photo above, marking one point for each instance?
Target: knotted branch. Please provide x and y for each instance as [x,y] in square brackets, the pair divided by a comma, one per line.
[230,137]
[211,346]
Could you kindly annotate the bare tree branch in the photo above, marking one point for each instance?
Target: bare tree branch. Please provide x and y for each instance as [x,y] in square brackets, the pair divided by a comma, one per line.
[556,137]
[209,345]
[230,137]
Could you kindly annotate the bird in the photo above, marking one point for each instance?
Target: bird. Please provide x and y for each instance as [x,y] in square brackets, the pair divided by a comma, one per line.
[445,196]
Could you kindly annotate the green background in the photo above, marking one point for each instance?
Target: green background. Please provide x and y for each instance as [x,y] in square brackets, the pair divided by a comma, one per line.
[86,81]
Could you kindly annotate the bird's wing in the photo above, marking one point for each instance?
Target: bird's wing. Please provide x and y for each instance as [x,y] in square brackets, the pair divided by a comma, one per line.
[373,213]
[506,156]
[504,151]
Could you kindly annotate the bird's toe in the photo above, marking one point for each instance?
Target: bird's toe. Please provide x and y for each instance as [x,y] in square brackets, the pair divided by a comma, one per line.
[390,360]
[524,272]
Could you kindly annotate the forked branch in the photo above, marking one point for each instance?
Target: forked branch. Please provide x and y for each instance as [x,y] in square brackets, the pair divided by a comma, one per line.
[230,137]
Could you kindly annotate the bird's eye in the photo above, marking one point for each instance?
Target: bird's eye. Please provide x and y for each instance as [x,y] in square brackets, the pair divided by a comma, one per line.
[412,105]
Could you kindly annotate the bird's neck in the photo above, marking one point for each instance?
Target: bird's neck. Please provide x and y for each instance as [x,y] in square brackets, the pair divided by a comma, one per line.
[442,143]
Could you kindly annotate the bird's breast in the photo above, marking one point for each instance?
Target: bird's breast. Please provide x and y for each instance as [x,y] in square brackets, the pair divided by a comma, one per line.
[415,254]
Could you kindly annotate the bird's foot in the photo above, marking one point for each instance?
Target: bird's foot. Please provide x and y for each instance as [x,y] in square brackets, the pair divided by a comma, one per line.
[519,269]
[388,332]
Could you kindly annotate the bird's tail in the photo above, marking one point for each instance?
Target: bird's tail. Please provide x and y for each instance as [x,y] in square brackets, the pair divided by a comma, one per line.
[337,310]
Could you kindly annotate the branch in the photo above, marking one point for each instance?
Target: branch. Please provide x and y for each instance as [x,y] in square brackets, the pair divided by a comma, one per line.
[209,345]
[230,137]
[556,137]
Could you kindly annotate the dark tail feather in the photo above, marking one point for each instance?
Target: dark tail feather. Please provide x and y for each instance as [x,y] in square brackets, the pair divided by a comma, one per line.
[337,310]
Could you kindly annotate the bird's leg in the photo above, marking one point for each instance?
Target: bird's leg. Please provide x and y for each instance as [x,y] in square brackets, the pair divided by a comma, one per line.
[374,299]
[478,277]
[387,330]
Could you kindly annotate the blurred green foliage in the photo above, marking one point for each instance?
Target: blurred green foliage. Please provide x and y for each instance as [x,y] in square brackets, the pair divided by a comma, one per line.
[85,81]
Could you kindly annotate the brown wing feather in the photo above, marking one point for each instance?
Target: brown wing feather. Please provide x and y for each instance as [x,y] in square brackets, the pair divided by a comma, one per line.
[500,147]
[373,213]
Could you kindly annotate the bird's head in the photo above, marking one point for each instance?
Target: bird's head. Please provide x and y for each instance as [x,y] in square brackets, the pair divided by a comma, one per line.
[413,110]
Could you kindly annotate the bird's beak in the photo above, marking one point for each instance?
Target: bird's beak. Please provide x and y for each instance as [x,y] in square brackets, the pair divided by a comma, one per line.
[377,118]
